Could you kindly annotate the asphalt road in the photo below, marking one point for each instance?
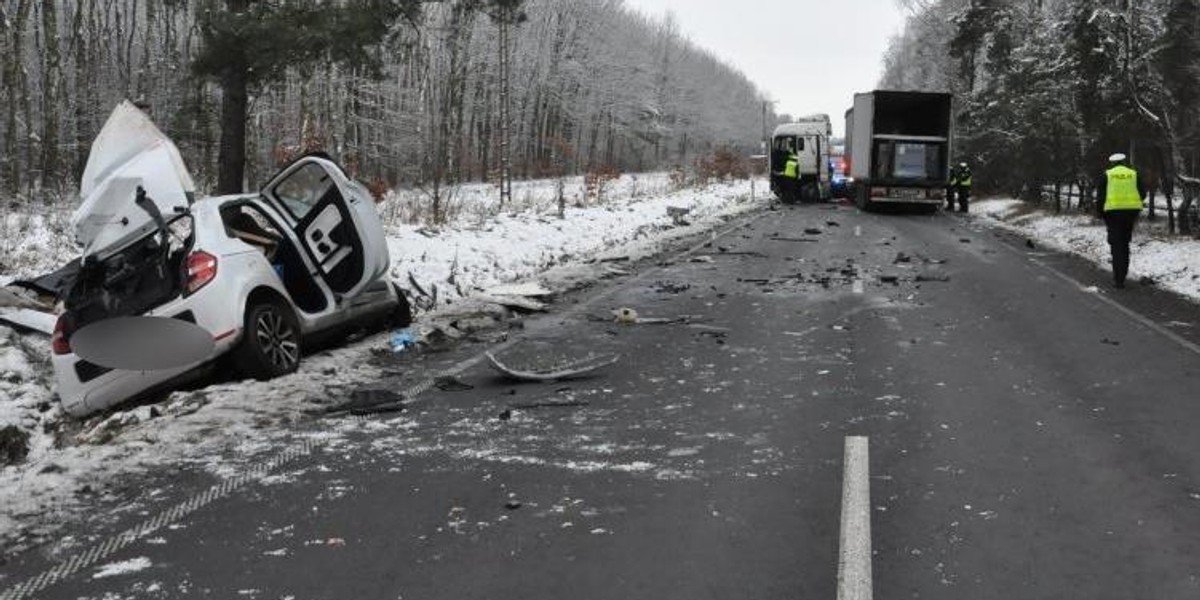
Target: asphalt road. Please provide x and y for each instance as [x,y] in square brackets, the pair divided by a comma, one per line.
[1029,437]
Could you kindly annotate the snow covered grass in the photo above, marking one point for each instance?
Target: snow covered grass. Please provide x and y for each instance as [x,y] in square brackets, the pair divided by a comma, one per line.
[225,429]
[34,241]
[1172,262]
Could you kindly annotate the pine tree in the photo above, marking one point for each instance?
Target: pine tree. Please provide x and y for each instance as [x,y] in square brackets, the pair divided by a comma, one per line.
[248,43]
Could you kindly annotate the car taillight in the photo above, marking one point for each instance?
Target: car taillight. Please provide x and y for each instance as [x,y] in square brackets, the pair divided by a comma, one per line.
[201,269]
[58,341]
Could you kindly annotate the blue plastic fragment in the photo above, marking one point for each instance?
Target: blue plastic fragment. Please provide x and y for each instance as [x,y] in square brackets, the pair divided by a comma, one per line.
[402,339]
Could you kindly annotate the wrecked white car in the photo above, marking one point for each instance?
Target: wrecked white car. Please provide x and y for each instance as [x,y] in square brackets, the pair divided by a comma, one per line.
[260,273]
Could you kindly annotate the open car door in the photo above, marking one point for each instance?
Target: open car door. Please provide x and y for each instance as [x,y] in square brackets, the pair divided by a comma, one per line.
[339,231]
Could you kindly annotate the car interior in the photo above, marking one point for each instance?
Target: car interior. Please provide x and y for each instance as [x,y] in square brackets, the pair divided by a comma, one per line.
[249,224]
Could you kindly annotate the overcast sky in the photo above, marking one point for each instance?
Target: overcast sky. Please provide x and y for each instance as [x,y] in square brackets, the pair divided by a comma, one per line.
[809,55]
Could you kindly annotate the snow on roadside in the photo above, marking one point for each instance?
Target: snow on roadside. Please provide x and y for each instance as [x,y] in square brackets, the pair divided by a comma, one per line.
[225,429]
[1172,262]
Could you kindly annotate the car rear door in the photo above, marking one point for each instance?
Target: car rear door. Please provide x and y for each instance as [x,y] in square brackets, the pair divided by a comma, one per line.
[323,209]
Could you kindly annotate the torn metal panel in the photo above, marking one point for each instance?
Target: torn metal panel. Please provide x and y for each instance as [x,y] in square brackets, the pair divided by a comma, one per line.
[25,319]
[568,370]
[129,153]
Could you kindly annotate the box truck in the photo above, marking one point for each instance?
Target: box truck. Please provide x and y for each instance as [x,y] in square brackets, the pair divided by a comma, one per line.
[898,147]
[808,137]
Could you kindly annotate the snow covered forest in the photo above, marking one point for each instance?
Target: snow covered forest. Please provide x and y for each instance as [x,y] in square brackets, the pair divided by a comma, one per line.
[1048,89]
[405,93]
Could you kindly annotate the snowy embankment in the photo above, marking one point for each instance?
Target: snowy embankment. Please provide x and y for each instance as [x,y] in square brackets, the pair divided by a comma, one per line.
[1170,262]
[62,466]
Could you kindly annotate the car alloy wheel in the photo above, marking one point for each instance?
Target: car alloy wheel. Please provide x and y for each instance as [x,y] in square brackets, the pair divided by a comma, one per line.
[277,339]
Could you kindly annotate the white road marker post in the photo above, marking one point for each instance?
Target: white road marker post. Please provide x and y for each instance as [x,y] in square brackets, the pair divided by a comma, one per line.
[854,557]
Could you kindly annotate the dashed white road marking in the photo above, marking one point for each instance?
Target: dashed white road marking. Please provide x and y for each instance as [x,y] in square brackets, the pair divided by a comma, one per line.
[854,557]
[858,231]
[858,286]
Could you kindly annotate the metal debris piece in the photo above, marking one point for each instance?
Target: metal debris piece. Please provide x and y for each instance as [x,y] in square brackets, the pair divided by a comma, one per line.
[367,402]
[779,238]
[568,370]
[678,214]
[550,404]
[447,383]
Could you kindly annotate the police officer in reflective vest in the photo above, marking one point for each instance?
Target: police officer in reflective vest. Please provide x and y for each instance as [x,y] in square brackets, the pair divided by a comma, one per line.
[1120,195]
[960,185]
[791,175]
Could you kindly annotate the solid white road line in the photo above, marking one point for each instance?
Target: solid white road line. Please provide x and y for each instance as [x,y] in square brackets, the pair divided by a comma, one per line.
[854,559]
[1144,321]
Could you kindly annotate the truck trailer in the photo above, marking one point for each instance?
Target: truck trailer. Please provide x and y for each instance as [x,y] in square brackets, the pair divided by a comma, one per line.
[809,138]
[898,147]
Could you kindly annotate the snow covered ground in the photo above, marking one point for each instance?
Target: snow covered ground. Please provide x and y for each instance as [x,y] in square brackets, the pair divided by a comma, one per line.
[1171,262]
[225,429]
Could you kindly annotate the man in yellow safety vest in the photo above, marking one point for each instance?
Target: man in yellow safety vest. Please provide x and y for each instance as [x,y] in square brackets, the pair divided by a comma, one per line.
[1120,195]
[791,173]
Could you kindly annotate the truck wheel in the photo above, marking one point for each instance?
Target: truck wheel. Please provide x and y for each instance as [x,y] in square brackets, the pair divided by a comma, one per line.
[861,199]
[270,342]
[809,192]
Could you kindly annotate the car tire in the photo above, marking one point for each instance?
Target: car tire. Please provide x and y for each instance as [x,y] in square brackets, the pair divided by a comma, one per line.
[270,344]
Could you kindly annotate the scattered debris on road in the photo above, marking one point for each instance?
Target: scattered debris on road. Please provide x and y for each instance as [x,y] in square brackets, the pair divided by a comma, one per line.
[550,404]
[1110,342]
[368,401]
[448,383]
[402,340]
[670,287]
[567,370]
[780,238]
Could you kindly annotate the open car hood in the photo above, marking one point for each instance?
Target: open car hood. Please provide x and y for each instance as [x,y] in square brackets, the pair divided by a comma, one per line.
[130,152]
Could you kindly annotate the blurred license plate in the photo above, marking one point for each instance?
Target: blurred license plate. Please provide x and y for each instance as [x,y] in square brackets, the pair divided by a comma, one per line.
[906,193]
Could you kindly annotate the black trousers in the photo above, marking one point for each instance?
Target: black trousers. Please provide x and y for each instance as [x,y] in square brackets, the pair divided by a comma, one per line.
[1120,225]
[964,197]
